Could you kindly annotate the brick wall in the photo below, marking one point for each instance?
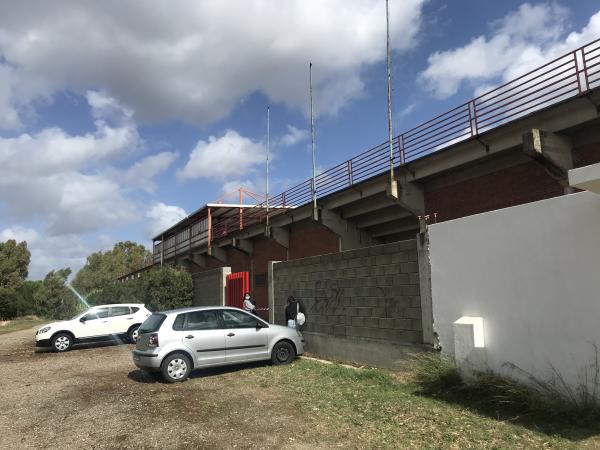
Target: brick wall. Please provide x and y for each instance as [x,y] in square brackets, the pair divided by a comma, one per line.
[586,155]
[370,293]
[209,287]
[523,183]
[309,238]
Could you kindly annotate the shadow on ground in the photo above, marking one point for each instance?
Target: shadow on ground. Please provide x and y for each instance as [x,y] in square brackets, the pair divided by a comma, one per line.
[571,426]
[143,376]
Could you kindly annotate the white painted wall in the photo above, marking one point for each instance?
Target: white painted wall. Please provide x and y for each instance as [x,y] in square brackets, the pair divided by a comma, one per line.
[533,273]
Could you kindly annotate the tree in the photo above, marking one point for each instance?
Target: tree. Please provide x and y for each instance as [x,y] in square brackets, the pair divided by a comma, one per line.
[166,288]
[14,263]
[54,299]
[159,288]
[102,268]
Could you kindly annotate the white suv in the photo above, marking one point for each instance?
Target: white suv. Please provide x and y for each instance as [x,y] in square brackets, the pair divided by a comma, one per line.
[99,323]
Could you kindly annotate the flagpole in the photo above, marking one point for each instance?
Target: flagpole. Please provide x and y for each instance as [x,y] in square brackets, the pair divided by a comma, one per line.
[312,139]
[389,88]
[268,149]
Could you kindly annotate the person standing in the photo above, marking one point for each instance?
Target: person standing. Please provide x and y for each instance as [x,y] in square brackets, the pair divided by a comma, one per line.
[249,304]
[294,313]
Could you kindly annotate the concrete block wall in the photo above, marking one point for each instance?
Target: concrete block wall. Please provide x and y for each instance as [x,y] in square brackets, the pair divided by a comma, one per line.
[370,293]
[209,287]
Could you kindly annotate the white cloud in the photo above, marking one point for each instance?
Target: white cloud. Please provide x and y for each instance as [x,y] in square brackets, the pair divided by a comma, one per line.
[520,42]
[48,253]
[141,174]
[163,216]
[202,61]
[293,136]
[68,181]
[230,155]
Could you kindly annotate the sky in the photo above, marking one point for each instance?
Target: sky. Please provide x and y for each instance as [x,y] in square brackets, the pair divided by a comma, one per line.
[119,118]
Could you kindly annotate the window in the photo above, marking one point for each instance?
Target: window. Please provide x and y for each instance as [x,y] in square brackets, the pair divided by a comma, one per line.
[179,322]
[238,319]
[134,309]
[119,311]
[197,320]
[152,323]
[100,313]
[202,320]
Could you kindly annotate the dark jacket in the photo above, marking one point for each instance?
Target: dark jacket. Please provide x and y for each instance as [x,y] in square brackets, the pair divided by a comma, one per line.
[292,309]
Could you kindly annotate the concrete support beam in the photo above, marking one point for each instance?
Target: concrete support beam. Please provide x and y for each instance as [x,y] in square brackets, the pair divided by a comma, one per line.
[244,245]
[198,259]
[553,151]
[382,216]
[218,253]
[353,194]
[280,235]
[365,206]
[184,262]
[349,234]
[401,226]
[407,193]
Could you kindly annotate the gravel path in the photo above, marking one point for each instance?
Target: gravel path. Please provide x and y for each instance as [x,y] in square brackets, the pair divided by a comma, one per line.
[94,397]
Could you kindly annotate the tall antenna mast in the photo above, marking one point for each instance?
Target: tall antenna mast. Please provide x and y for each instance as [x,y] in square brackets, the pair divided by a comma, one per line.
[268,145]
[312,139]
[389,88]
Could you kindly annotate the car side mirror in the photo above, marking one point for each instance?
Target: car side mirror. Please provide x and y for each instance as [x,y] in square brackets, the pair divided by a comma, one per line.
[82,320]
[260,325]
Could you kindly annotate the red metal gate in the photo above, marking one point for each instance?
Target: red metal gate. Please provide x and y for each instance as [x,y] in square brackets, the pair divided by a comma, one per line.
[237,284]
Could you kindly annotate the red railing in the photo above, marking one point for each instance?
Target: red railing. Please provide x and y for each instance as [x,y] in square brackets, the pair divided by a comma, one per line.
[568,76]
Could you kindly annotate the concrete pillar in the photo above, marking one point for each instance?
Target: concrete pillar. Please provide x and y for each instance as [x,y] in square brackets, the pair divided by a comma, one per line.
[425,288]
[553,151]
[350,236]
[271,290]
[408,194]
[223,294]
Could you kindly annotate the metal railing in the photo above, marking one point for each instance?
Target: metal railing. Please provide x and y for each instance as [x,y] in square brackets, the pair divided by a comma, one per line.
[568,76]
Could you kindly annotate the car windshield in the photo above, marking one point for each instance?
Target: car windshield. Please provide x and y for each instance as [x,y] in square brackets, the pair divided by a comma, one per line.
[152,323]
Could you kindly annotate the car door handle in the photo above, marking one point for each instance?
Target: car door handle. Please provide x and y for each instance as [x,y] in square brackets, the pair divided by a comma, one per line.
[189,336]
[130,318]
[231,334]
[105,321]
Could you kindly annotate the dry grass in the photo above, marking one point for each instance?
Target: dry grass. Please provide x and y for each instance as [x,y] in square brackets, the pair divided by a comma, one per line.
[22,323]
[94,397]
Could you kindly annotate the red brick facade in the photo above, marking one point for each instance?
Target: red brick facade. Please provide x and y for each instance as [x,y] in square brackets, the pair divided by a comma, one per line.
[515,185]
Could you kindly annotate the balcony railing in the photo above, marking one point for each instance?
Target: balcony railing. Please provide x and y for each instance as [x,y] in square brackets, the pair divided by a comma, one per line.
[568,76]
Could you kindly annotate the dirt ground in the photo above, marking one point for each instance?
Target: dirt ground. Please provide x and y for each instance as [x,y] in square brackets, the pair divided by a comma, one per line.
[94,397]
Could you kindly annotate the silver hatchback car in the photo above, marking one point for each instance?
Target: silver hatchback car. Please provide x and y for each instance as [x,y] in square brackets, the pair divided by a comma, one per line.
[178,341]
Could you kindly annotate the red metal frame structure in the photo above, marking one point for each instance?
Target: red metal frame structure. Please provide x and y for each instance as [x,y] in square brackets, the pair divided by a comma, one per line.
[568,76]
[237,284]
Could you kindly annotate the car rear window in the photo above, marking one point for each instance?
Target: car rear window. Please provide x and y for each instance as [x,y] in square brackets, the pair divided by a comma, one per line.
[152,323]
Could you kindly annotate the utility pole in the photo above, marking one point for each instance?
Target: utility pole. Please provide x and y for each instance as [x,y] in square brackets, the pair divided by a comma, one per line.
[312,140]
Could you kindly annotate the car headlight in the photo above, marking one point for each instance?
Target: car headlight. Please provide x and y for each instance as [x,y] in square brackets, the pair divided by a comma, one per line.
[43,330]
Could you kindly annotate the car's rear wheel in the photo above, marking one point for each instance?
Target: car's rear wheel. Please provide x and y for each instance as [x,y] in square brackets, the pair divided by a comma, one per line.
[132,334]
[283,353]
[176,368]
[62,342]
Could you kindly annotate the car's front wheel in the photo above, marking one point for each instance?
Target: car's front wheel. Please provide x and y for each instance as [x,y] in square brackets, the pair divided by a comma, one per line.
[132,334]
[62,342]
[176,368]
[283,353]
